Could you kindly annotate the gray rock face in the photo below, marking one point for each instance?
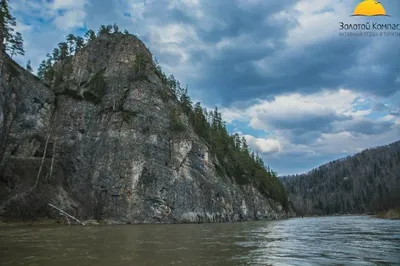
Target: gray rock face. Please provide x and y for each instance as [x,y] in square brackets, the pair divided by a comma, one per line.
[114,155]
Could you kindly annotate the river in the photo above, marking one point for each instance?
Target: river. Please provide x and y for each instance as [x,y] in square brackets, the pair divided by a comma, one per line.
[342,240]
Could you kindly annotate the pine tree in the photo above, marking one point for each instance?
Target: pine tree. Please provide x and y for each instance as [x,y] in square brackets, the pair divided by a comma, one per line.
[49,70]
[41,70]
[71,39]
[49,59]
[7,21]
[29,66]
[186,102]
[16,45]
[115,28]
[90,36]
[63,50]
[171,82]
[237,141]
[104,30]
[56,54]
[79,42]
[199,121]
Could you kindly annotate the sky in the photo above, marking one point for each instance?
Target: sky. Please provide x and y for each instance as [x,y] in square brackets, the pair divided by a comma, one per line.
[280,73]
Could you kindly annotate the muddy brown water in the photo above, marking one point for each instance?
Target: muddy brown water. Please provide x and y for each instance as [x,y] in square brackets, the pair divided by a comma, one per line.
[347,240]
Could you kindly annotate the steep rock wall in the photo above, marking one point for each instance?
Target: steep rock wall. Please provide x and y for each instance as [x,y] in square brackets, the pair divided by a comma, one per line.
[111,153]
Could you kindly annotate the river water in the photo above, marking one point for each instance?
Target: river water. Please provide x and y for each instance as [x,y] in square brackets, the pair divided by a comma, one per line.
[346,240]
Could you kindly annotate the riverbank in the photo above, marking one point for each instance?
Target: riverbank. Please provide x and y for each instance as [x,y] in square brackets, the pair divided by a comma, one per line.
[15,222]
[392,214]
[44,222]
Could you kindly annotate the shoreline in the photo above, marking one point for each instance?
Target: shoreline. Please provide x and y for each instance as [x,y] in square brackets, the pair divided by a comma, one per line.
[391,214]
[16,222]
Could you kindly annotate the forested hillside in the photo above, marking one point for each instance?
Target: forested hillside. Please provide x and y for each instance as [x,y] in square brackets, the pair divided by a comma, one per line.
[366,182]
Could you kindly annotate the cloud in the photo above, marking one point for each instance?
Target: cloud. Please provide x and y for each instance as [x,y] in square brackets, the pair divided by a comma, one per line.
[70,19]
[22,28]
[363,126]
[296,112]
[313,127]
[69,14]
[263,145]
[278,70]
[65,14]
[267,48]
[67,4]
[379,107]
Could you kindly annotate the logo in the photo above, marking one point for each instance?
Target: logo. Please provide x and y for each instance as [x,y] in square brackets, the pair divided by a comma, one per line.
[369,8]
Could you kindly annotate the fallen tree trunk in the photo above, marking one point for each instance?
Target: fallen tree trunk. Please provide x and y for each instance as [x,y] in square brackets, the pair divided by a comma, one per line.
[66,214]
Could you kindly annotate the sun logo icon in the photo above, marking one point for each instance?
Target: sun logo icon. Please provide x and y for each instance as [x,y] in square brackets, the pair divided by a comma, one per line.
[369,8]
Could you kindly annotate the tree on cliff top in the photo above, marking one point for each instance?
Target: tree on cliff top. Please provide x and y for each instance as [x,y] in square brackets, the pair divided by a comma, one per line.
[16,45]
[13,43]
[104,29]
[7,21]
[29,66]
[9,41]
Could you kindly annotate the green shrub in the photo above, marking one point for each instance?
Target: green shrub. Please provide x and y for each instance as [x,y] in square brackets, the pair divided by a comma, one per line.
[140,63]
[176,123]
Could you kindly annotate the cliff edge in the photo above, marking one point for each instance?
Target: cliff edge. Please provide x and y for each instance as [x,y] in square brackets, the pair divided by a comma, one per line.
[106,138]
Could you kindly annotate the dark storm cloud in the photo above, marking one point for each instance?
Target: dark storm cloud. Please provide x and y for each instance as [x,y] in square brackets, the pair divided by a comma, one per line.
[331,63]
[366,126]
[305,122]
[253,60]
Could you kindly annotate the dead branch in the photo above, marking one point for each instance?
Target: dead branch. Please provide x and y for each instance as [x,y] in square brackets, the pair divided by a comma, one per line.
[66,214]
[52,159]
[43,157]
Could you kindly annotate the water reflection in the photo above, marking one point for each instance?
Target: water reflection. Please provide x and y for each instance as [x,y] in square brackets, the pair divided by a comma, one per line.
[309,241]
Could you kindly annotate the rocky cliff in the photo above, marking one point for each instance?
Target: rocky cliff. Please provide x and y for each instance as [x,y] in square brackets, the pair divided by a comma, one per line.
[97,141]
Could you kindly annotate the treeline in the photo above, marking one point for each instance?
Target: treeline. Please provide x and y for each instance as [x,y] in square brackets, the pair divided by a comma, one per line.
[366,182]
[65,50]
[234,157]
[232,152]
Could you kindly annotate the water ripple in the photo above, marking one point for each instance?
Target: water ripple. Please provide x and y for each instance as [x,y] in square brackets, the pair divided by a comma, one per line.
[350,240]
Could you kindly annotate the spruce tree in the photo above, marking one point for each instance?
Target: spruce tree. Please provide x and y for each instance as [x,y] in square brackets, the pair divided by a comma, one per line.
[115,28]
[49,70]
[104,29]
[71,39]
[7,21]
[63,50]
[41,70]
[79,42]
[90,36]
[16,45]
[29,66]
[56,54]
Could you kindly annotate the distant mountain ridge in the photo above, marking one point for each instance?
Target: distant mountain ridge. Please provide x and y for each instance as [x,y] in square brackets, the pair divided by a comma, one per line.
[368,181]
